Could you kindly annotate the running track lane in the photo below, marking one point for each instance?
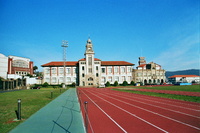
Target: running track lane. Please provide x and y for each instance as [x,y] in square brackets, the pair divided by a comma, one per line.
[135,115]
[98,120]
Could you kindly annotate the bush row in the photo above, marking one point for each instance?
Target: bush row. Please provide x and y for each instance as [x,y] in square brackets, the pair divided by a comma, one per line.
[125,83]
[53,86]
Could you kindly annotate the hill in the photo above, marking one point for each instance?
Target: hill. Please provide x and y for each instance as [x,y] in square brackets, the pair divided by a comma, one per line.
[183,72]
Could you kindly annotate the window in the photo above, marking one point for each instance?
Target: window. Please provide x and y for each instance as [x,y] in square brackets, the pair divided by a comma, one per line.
[89,60]
[74,70]
[83,75]
[61,80]
[110,79]
[103,79]
[103,70]
[47,71]
[61,70]
[97,68]
[117,78]
[129,69]
[123,69]
[68,70]
[53,70]
[54,80]
[129,78]
[109,70]
[116,69]
[90,79]
[83,68]
[47,80]
[90,70]
[20,63]
[123,78]
[68,79]
[97,75]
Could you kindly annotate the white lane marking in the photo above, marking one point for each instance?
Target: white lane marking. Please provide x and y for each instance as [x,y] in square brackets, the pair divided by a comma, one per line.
[131,114]
[89,120]
[153,105]
[167,104]
[168,100]
[153,112]
[107,114]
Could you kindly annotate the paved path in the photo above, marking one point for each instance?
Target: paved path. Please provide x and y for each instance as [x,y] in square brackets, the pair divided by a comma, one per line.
[62,115]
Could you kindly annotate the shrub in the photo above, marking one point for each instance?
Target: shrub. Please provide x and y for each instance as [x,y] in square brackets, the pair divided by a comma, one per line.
[132,83]
[73,84]
[125,83]
[107,84]
[45,84]
[116,83]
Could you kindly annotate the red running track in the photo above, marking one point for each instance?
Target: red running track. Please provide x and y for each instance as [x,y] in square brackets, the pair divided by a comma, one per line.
[112,111]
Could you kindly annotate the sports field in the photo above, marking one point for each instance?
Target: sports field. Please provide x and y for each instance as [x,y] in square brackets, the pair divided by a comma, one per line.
[115,111]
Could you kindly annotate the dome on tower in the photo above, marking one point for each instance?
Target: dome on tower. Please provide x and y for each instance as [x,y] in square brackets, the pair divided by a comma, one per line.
[89,41]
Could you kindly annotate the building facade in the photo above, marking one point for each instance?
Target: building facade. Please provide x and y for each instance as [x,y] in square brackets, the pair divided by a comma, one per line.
[184,79]
[88,71]
[13,67]
[150,73]
[3,66]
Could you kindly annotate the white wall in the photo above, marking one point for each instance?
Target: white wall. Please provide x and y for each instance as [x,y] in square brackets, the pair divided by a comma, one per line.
[3,66]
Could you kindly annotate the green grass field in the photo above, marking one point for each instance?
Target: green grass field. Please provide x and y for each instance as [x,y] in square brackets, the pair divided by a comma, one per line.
[31,102]
[192,88]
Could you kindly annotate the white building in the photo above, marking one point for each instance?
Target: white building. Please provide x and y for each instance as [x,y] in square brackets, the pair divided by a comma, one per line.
[184,79]
[88,71]
[3,66]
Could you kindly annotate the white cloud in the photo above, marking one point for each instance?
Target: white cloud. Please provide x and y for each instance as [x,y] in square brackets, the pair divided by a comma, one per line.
[183,53]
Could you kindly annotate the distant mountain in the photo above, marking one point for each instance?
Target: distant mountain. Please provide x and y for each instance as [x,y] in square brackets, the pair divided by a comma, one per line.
[183,72]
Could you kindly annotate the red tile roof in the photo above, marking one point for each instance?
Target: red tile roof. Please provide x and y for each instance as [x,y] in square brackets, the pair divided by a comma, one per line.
[175,76]
[116,63]
[61,63]
[142,65]
[96,59]
[75,63]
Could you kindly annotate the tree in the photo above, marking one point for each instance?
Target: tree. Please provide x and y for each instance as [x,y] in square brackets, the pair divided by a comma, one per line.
[35,68]
[116,83]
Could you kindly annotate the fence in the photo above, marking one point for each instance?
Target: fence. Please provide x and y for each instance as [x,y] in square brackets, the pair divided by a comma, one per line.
[12,84]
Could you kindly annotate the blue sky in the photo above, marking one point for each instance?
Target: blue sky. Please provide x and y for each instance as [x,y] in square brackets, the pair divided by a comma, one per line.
[164,31]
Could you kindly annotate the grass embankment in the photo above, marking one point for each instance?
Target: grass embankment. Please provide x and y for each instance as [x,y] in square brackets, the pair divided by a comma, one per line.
[193,88]
[31,101]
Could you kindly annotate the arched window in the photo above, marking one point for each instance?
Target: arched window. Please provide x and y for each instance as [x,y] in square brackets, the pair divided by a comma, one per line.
[90,79]
[150,81]
[145,81]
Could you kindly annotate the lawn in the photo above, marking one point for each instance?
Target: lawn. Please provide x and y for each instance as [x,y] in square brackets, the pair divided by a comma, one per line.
[31,101]
[193,88]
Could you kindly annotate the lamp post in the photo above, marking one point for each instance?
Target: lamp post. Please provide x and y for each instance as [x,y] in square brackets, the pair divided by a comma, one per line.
[19,109]
[64,45]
